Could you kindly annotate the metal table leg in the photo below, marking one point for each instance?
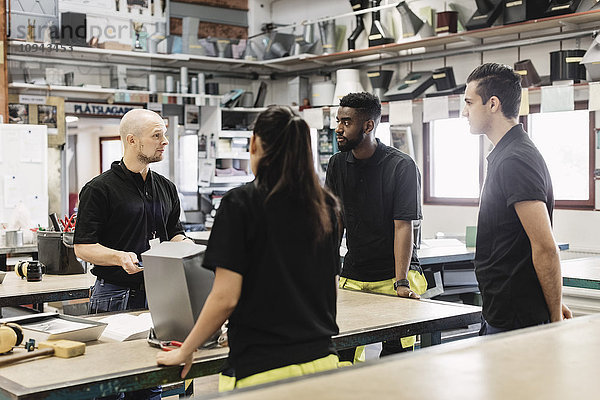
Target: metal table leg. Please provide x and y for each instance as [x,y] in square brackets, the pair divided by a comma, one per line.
[431,339]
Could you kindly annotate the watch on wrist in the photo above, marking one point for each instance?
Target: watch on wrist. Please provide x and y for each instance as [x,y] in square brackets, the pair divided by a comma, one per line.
[401,282]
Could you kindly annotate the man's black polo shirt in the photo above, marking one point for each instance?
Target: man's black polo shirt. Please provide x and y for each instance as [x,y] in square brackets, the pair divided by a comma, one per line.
[374,192]
[512,295]
[121,211]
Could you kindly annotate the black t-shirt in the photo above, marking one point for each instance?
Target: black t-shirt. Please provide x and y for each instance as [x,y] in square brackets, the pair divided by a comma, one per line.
[374,192]
[287,309]
[121,211]
[511,292]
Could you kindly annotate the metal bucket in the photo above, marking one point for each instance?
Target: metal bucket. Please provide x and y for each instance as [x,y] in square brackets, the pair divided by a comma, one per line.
[14,238]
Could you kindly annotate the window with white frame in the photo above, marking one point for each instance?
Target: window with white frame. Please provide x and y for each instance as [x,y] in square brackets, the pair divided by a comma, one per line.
[563,138]
[188,162]
[111,149]
[453,160]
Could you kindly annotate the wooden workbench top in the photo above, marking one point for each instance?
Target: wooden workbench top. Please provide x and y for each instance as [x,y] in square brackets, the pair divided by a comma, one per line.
[15,291]
[582,268]
[13,285]
[558,361]
[358,310]
[128,365]
[28,248]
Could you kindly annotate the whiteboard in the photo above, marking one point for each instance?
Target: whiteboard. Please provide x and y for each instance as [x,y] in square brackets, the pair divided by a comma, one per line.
[24,171]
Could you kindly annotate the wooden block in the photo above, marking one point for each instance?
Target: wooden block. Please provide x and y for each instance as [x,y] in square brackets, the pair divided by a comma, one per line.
[110,45]
[64,348]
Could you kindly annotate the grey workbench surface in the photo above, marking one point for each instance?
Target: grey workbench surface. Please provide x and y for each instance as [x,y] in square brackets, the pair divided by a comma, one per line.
[110,367]
[552,362]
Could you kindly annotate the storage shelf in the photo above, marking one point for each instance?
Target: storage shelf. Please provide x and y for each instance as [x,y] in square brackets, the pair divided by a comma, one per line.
[234,156]
[132,58]
[232,179]
[97,10]
[224,60]
[304,62]
[472,38]
[244,109]
[235,134]
[192,95]
[82,89]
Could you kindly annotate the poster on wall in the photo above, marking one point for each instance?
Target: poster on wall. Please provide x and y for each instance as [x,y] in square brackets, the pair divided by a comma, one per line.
[47,116]
[401,138]
[40,110]
[192,117]
[18,113]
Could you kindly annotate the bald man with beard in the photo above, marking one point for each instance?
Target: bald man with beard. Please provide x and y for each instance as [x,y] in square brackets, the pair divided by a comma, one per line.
[120,212]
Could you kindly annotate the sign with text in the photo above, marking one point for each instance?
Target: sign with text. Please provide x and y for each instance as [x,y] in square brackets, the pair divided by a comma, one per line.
[30,99]
[99,109]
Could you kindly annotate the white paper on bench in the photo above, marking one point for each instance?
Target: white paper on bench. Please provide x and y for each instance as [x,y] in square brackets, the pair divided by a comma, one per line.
[122,327]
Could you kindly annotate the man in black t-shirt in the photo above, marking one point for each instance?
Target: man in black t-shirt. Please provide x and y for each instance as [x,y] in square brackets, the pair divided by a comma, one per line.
[379,187]
[516,262]
[120,212]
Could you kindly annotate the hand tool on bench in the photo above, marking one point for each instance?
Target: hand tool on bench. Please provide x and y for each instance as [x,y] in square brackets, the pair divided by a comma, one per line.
[59,348]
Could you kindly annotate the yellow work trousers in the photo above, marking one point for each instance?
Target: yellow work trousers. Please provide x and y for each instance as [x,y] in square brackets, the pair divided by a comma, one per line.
[418,284]
[227,383]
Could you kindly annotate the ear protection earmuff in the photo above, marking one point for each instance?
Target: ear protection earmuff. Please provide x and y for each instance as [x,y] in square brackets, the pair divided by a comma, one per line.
[21,269]
[11,335]
[32,270]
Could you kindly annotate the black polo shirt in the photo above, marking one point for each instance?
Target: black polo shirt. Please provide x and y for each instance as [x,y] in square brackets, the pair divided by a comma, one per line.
[511,291]
[374,192]
[121,211]
[287,308]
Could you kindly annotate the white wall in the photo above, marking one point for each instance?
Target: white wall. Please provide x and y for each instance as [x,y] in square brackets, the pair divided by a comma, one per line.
[89,131]
[259,11]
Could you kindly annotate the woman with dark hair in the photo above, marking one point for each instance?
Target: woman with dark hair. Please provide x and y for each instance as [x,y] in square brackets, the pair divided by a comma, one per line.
[274,248]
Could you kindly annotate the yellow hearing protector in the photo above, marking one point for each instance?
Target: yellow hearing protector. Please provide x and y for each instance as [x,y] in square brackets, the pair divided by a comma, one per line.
[21,269]
[11,335]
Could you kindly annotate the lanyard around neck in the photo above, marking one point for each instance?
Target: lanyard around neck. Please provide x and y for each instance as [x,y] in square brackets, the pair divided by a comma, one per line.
[143,196]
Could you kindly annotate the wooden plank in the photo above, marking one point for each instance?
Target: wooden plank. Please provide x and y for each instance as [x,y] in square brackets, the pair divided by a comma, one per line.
[556,361]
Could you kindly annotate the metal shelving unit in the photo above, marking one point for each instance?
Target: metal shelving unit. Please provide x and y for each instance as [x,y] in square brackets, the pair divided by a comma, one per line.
[571,26]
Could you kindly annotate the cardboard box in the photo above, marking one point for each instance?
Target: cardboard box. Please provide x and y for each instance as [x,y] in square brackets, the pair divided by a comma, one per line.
[109,45]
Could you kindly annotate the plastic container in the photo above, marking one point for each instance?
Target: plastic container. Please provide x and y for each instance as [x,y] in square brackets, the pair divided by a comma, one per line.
[444,78]
[14,238]
[566,65]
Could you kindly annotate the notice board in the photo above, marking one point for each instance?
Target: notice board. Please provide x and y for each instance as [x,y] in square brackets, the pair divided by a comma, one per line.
[24,171]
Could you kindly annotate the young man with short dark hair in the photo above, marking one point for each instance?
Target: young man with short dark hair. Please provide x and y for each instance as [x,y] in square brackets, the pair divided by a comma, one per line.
[379,187]
[516,261]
